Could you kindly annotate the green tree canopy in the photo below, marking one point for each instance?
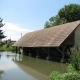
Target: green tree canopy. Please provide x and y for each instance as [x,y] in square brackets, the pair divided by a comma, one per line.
[66,14]
[1,32]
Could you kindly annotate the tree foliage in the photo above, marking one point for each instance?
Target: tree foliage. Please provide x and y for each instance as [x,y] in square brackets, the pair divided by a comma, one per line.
[66,14]
[1,32]
[70,12]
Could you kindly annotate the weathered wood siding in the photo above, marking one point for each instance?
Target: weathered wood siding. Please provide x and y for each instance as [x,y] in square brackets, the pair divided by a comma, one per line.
[70,40]
[77,37]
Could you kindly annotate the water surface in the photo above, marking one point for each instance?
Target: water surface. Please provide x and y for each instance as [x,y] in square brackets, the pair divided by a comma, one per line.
[19,67]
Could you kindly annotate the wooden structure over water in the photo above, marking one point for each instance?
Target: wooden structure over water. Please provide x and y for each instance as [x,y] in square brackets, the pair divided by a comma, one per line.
[53,42]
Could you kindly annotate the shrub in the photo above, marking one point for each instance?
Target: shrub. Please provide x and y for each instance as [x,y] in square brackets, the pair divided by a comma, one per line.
[54,75]
[1,44]
[71,76]
[70,68]
[75,59]
[7,47]
[65,76]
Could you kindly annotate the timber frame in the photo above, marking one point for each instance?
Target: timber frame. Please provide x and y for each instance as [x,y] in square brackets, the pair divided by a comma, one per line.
[51,43]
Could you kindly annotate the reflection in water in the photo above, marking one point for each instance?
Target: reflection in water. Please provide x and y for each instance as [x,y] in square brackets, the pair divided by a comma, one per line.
[11,70]
[38,68]
[18,57]
[42,66]
[0,56]
[1,72]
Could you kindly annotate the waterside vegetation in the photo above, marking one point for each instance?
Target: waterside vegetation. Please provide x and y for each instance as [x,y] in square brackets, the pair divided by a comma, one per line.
[7,47]
[73,68]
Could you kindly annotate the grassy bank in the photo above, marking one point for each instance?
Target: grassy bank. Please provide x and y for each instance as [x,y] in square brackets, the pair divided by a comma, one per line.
[7,47]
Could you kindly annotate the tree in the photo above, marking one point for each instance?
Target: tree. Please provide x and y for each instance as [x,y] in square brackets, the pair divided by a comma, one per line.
[53,21]
[70,12]
[66,14]
[47,25]
[1,32]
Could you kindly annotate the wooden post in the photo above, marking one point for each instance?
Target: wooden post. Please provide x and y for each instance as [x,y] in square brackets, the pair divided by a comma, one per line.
[37,56]
[30,53]
[21,50]
[48,57]
[63,54]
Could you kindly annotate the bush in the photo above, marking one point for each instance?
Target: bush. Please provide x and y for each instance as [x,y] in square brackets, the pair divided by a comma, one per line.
[54,75]
[12,49]
[75,59]
[65,76]
[1,49]
[71,76]
[70,68]
[7,47]
[1,44]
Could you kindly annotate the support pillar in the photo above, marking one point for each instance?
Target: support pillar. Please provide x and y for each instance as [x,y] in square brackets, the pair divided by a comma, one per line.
[37,56]
[21,50]
[30,53]
[48,57]
[63,54]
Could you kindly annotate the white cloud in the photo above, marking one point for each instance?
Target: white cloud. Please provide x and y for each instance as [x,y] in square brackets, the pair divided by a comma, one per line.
[14,31]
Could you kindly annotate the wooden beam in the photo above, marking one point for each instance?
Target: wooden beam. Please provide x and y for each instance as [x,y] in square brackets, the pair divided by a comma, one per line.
[45,50]
[61,50]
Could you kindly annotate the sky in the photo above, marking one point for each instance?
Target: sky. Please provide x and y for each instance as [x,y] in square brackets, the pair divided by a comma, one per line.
[23,16]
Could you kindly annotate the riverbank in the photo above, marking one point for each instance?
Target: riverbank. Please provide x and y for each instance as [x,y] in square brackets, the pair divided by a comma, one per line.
[7,47]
